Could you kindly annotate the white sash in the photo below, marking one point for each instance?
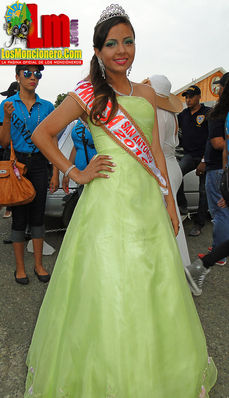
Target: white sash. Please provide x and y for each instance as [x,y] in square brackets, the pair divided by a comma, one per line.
[123,130]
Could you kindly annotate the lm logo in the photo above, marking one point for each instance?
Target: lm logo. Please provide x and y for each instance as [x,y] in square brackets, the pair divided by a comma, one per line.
[57,31]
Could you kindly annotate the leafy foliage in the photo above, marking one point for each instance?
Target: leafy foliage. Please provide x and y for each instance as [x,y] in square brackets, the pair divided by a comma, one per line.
[59,99]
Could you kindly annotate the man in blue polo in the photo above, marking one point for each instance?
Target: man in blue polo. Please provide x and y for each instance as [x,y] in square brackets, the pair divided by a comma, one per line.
[194,133]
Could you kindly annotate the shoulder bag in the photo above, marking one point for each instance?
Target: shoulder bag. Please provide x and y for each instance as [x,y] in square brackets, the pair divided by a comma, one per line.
[15,189]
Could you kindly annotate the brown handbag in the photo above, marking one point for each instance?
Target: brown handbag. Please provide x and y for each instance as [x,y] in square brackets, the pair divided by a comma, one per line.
[15,189]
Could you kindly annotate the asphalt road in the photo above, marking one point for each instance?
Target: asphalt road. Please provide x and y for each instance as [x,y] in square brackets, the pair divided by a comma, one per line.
[20,306]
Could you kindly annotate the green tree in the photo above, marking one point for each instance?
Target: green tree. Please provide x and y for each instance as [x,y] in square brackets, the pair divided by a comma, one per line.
[59,99]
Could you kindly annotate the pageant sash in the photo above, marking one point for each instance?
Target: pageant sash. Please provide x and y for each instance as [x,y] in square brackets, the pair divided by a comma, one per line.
[122,129]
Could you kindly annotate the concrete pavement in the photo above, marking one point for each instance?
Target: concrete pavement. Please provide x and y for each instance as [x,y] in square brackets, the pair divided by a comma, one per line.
[20,306]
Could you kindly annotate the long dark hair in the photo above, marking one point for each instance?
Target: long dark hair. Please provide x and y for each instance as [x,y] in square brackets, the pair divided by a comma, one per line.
[102,91]
[221,109]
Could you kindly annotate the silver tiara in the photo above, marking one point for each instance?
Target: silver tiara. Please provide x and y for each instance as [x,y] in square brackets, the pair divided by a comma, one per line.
[113,10]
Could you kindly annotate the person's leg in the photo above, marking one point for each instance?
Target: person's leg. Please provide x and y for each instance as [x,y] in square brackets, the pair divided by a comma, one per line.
[220,251]
[200,217]
[220,215]
[181,199]
[19,257]
[38,249]
[19,216]
[186,164]
[196,272]
[38,175]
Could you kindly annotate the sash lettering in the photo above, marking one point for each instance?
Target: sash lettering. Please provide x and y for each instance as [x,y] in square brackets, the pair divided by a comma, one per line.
[124,131]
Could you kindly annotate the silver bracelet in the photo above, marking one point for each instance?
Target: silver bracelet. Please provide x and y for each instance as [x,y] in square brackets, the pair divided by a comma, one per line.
[68,170]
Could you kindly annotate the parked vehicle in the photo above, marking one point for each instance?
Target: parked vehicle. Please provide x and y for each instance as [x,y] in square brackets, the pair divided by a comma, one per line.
[191,185]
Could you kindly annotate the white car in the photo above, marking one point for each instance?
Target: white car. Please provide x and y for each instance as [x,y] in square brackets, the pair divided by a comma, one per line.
[191,186]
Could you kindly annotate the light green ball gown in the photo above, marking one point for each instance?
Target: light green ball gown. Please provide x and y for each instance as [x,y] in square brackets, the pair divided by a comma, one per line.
[118,319]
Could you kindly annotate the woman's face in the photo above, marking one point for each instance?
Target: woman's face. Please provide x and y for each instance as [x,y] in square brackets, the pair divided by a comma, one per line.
[118,50]
[28,83]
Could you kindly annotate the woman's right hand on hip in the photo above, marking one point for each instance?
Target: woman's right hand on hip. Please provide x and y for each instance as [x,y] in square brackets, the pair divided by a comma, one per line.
[97,168]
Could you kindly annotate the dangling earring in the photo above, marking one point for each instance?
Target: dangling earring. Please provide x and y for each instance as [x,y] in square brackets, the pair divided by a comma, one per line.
[102,67]
[129,70]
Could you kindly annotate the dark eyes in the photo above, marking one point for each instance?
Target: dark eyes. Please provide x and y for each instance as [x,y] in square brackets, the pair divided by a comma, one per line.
[128,41]
[112,43]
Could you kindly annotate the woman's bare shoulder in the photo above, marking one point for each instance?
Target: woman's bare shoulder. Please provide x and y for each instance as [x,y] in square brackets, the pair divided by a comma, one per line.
[145,91]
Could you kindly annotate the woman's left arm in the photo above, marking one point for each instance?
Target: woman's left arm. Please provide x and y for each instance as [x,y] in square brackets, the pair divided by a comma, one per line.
[160,161]
[54,182]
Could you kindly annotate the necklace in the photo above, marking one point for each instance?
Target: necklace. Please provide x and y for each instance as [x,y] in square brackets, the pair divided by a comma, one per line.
[128,95]
[38,117]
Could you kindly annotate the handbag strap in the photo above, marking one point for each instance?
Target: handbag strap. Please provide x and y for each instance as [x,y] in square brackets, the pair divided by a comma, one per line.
[85,145]
[12,153]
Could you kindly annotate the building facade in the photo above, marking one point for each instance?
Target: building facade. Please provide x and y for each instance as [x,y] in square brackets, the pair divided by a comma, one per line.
[209,91]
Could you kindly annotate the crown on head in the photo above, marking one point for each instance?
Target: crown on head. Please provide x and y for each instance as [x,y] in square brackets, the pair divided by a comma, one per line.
[113,10]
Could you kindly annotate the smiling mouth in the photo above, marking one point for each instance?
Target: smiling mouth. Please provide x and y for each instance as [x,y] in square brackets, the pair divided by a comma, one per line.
[120,61]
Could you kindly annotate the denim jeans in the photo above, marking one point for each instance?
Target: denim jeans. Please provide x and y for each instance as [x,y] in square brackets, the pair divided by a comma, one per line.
[187,164]
[219,215]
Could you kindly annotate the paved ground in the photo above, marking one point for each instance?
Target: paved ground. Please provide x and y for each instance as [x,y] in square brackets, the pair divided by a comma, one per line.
[20,306]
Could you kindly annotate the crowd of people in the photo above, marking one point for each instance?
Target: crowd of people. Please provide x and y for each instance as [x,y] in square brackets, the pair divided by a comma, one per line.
[118,316]
[215,161]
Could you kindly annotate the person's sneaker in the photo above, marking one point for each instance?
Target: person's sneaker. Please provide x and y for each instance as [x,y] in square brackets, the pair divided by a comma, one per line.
[195,231]
[220,262]
[195,274]
[183,210]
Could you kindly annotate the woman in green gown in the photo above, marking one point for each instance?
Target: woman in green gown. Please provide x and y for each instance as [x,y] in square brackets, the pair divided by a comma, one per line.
[118,319]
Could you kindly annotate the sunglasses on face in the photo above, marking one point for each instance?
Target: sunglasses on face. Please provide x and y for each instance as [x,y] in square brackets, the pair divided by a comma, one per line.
[37,74]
